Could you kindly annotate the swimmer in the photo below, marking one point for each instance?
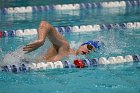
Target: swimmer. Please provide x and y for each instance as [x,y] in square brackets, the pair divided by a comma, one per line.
[60,46]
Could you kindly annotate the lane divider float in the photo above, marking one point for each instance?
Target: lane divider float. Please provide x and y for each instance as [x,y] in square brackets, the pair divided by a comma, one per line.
[78,63]
[30,9]
[82,28]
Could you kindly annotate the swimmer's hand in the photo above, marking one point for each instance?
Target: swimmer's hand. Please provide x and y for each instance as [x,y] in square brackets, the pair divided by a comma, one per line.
[33,46]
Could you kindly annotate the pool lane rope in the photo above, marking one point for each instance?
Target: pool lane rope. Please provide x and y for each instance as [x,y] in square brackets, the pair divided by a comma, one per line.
[78,63]
[30,9]
[82,28]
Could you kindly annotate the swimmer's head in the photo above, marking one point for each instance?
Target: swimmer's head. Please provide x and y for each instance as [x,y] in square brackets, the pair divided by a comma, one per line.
[89,46]
[94,44]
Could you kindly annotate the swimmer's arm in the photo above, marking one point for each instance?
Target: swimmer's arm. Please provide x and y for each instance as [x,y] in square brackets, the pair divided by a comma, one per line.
[43,31]
[58,57]
[63,51]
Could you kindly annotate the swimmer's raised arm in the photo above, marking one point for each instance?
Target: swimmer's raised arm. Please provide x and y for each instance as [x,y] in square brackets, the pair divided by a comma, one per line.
[44,29]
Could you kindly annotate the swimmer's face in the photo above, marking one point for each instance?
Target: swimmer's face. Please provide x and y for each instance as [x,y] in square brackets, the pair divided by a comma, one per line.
[85,49]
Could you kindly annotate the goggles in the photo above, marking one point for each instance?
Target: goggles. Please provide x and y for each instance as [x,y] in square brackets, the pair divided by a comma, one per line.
[90,47]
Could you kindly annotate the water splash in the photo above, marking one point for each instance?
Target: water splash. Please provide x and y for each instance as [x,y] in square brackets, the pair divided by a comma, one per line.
[1,55]
[75,45]
[13,57]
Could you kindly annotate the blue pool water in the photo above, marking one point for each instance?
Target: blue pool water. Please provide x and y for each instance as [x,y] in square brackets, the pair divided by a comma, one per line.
[123,78]
[71,17]
[17,3]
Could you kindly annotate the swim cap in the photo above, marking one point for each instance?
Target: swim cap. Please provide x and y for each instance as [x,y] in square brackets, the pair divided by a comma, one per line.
[96,44]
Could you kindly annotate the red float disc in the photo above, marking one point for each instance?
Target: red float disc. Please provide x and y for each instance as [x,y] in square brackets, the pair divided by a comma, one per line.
[1,34]
[78,63]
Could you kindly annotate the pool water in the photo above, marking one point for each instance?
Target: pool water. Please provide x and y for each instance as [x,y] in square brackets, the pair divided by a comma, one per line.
[17,3]
[70,18]
[108,79]
[124,78]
